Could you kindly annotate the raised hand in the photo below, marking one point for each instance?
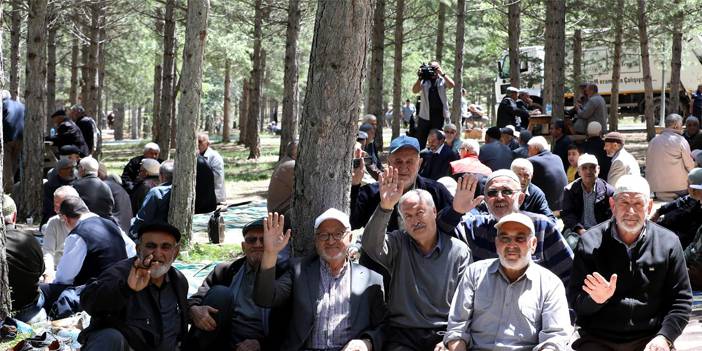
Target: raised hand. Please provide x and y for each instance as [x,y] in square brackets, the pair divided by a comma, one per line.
[358,172]
[390,188]
[465,199]
[274,240]
[599,289]
[140,274]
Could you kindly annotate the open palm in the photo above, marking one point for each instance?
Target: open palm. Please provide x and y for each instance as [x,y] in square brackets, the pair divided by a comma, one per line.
[390,188]
[274,238]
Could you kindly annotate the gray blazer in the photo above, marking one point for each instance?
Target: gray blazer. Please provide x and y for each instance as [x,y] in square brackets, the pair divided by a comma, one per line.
[299,286]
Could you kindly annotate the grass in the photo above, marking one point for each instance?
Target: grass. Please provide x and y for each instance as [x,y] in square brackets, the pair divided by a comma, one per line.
[9,344]
[200,253]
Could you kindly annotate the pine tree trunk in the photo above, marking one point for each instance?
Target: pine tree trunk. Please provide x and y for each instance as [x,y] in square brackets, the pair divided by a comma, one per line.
[616,70]
[50,75]
[164,120]
[5,297]
[458,64]
[91,104]
[332,97]
[549,47]
[140,123]
[397,71]
[227,102]
[75,56]
[244,112]
[577,61]
[554,88]
[439,56]
[646,70]
[84,74]
[375,78]
[35,95]
[15,38]
[291,95]
[158,78]
[513,33]
[118,110]
[676,61]
[134,127]
[255,101]
[100,116]
[182,204]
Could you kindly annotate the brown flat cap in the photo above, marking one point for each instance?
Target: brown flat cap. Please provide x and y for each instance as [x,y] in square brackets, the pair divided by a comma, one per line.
[614,137]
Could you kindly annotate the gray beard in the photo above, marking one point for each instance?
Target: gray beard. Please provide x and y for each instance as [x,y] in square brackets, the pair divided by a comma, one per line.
[159,272]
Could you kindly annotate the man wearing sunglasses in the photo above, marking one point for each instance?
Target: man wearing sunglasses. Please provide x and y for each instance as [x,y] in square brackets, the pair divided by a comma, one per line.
[224,314]
[503,196]
[335,304]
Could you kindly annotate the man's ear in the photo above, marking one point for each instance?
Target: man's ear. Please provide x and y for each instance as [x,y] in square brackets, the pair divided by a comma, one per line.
[611,203]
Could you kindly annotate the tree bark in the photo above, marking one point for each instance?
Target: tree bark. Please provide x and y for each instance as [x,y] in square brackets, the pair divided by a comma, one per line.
[616,69]
[646,70]
[458,64]
[439,55]
[15,38]
[164,121]
[35,95]
[5,297]
[226,110]
[91,104]
[134,127]
[140,123]
[84,74]
[676,60]
[244,112]
[50,75]
[291,95]
[397,72]
[255,101]
[118,110]
[577,61]
[75,56]
[158,78]
[554,75]
[375,78]
[182,204]
[513,34]
[332,96]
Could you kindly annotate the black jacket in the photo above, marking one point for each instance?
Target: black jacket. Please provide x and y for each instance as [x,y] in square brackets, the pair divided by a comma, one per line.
[550,177]
[130,173]
[122,210]
[90,132]
[68,133]
[683,217]
[435,166]
[365,199]
[560,149]
[507,112]
[112,304]
[96,195]
[12,120]
[595,146]
[652,295]
[572,212]
[496,155]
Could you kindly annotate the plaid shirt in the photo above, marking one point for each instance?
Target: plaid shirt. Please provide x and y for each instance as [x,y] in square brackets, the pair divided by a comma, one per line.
[331,324]
[478,231]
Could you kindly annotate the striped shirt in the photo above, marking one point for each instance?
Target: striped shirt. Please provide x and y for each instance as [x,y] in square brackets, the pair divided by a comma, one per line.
[331,329]
[478,231]
[589,199]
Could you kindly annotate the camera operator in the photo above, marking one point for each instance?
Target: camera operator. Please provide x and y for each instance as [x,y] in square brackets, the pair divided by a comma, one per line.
[431,83]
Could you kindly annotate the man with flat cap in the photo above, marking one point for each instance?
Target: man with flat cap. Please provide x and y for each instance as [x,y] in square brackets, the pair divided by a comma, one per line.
[335,304]
[623,163]
[223,312]
[139,303]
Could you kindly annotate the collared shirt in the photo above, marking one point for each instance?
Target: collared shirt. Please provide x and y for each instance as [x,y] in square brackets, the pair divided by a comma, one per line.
[629,248]
[478,231]
[167,302]
[55,233]
[332,326]
[588,219]
[435,251]
[248,320]
[491,313]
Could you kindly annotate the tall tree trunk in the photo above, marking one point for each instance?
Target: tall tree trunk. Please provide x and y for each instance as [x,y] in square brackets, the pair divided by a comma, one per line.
[397,72]
[84,74]
[164,121]
[439,56]
[50,74]
[291,95]
[676,60]
[255,101]
[646,70]
[332,98]
[158,77]
[5,297]
[227,102]
[101,65]
[140,123]
[75,56]
[616,69]
[134,127]
[15,38]
[375,78]
[182,204]
[118,110]
[555,57]
[577,61]
[243,112]
[91,104]
[174,94]
[35,95]
[513,33]
[458,64]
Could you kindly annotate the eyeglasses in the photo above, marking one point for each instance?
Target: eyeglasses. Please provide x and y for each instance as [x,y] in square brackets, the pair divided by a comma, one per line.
[253,239]
[450,131]
[327,236]
[508,239]
[504,192]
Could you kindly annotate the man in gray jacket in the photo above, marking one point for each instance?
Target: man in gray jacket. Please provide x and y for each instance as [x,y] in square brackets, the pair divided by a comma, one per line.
[595,109]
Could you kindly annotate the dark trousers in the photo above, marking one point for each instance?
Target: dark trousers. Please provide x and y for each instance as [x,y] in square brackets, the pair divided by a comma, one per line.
[434,122]
[108,339]
[11,163]
[592,343]
[61,301]
[412,339]
[220,297]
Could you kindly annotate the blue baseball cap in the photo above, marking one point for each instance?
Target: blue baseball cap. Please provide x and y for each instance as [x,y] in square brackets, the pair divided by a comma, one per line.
[404,141]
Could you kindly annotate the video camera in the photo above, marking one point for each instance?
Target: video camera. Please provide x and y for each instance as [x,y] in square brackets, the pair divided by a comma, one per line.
[426,72]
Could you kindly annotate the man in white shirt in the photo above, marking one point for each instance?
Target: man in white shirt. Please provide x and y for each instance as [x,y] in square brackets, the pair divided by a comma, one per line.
[55,232]
[216,163]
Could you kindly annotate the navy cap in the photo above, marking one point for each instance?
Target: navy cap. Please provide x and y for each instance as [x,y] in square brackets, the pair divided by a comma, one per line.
[160,227]
[404,141]
[69,150]
[362,135]
[257,224]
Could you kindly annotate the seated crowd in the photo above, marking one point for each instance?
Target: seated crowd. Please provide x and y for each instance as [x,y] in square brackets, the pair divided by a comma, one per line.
[483,264]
